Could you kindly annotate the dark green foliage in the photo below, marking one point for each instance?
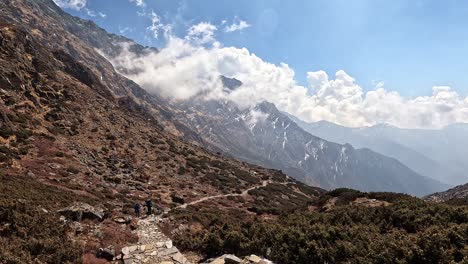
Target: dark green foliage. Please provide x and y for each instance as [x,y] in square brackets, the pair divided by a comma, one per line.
[30,234]
[407,231]
[245,176]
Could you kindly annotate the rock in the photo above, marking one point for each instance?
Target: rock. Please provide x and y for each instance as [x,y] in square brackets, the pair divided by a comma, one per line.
[177,199]
[106,253]
[160,244]
[231,259]
[254,259]
[168,252]
[219,260]
[128,261]
[166,262]
[168,244]
[125,251]
[30,174]
[123,220]
[132,249]
[81,211]
[226,259]
[179,258]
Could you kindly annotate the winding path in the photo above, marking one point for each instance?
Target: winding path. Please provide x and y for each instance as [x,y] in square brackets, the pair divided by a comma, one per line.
[244,193]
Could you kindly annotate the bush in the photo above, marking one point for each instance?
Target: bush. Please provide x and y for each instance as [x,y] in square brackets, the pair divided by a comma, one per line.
[407,231]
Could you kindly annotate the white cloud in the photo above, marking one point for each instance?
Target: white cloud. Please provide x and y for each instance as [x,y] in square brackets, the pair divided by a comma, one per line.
[236,26]
[157,26]
[139,3]
[102,15]
[186,67]
[72,4]
[201,33]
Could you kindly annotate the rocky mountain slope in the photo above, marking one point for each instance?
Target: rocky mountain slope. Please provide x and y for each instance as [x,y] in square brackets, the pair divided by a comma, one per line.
[456,194]
[439,154]
[214,124]
[265,136]
[71,124]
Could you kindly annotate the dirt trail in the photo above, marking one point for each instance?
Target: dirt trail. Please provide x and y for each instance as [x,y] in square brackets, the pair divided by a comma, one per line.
[244,193]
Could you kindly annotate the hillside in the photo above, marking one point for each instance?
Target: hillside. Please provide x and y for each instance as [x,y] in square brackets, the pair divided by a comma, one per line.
[80,145]
[265,136]
[456,195]
[71,124]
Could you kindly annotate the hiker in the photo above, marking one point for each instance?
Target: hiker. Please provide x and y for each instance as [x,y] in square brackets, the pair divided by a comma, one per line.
[137,208]
[149,207]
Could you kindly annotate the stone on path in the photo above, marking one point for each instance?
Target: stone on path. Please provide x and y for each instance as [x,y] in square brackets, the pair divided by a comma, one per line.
[153,246]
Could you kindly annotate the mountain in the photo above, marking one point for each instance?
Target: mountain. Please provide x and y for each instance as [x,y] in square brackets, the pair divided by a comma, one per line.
[81,146]
[265,136]
[439,154]
[78,141]
[458,194]
[72,37]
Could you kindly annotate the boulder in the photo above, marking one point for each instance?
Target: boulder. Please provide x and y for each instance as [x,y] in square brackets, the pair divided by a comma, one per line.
[254,259]
[80,211]
[177,199]
[231,259]
[106,253]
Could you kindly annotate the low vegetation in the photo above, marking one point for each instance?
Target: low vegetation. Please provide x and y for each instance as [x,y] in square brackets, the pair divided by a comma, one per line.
[30,230]
[408,230]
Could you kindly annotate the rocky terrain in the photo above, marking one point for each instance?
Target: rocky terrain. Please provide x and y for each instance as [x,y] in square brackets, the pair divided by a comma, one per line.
[265,136]
[80,145]
[71,123]
[458,194]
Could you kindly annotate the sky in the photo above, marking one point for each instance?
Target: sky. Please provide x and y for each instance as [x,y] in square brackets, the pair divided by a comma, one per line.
[355,63]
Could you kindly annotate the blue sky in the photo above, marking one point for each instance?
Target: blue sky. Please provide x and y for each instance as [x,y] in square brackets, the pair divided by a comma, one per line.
[410,45]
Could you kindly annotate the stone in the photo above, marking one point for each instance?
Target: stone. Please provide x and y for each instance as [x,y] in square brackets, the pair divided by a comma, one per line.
[149,247]
[125,251]
[132,248]
[254,259]
[166,262]
[142,247]
[177,199]
[81,211]
[106,253]
[231,259]
[160,244]
[123,220]
[168,244]
[128,261]
[217,261]
[168,251]
[179,258]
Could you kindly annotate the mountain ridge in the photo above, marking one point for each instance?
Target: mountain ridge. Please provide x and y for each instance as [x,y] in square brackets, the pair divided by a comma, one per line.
[433,153]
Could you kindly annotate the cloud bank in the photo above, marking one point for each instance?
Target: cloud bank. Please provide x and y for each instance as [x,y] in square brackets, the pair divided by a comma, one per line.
[191,66]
